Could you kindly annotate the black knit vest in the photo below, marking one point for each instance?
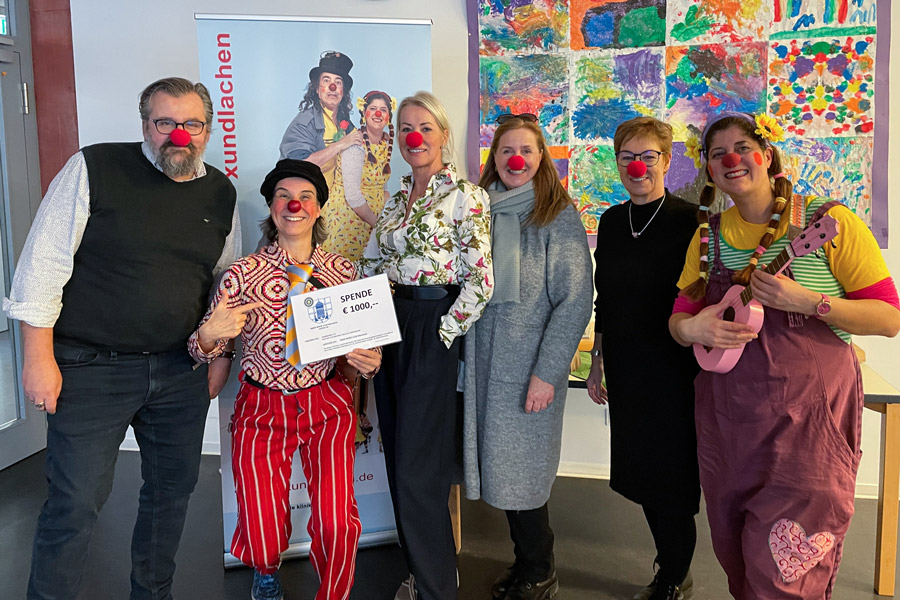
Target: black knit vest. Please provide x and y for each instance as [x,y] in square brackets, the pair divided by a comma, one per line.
[142,273]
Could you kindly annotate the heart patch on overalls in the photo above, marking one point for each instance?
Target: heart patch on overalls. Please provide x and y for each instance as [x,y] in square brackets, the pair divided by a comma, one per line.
[794,552]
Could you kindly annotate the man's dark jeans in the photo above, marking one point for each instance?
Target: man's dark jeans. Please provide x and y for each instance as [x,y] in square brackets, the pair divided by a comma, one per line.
[166,401]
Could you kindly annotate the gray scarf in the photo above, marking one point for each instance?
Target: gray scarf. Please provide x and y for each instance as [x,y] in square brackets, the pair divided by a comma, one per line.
[508,209]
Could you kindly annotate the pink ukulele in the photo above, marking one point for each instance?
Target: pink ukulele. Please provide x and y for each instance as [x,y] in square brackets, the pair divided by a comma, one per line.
[738,302]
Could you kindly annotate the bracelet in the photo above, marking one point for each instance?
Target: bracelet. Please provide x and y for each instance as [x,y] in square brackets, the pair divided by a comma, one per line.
[370,375]
[229,354]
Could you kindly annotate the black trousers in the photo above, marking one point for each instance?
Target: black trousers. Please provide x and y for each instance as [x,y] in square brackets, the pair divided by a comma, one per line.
[675,536]
[532,542]
[417,407]
[165,400]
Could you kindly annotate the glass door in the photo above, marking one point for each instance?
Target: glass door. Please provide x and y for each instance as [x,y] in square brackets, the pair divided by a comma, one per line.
[22,427]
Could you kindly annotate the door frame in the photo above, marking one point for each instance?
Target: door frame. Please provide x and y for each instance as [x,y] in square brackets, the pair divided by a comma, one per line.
[21,196]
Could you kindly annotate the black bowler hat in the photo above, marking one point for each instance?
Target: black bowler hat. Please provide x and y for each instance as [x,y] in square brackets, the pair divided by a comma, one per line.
[333,62]
[290,167]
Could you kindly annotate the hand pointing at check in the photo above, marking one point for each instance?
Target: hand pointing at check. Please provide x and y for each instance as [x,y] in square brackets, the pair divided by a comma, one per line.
[224,323]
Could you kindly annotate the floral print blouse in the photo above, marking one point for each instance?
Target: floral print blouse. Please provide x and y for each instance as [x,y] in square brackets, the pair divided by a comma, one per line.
[446,240]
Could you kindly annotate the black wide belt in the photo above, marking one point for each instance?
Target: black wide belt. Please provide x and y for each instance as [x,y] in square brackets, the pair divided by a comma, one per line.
[250,381]
[422,292]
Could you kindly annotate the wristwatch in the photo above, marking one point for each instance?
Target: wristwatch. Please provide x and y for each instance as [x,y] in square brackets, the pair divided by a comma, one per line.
[824,306]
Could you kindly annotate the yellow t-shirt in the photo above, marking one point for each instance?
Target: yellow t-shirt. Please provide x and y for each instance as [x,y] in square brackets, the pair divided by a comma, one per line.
[855,261]
[331,130]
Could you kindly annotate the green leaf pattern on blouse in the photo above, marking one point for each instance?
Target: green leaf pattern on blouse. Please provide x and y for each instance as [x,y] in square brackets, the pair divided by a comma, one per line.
[446,240]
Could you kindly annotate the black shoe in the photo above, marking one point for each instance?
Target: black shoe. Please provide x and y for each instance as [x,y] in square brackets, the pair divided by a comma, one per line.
[645,592]
[503,583]
[666,592]
[527,590]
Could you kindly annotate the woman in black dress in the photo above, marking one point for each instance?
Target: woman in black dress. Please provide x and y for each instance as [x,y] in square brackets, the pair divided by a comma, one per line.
[641,246]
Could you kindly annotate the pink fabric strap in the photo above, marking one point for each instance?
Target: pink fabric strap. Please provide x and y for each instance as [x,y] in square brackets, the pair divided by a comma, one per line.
[884,290]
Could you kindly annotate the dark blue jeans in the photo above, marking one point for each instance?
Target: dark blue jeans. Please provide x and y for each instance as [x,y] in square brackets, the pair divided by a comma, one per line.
[166,401]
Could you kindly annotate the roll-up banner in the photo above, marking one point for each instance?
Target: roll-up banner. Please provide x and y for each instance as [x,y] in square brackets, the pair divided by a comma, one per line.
[257,69]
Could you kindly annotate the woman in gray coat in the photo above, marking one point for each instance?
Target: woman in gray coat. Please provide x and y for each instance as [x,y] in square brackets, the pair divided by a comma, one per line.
[518,353]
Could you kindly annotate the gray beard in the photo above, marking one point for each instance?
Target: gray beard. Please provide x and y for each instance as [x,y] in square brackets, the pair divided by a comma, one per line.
[173,168]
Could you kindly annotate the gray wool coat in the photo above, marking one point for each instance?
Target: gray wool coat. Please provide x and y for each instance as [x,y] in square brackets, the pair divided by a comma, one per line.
[510,457]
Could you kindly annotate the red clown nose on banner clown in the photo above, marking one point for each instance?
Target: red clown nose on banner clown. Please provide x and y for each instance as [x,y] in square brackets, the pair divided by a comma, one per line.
[731,160]
[294,206]
[414,139]
[637,169]
[516,163]
[180,137]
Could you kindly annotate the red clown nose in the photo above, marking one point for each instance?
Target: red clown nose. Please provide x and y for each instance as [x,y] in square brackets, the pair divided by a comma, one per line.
[414,139]
[180,137]
[332,88]
[377,114]
[731,160]
[516,163]
[637,169]
[294,206]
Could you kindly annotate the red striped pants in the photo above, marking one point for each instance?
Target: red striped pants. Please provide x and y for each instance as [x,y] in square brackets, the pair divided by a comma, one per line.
[267,428]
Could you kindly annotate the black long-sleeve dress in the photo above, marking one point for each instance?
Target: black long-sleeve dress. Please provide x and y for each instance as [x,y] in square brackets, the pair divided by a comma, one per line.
[650,378]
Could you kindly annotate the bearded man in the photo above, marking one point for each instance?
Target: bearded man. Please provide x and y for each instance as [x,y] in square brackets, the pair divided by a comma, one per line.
[113,279]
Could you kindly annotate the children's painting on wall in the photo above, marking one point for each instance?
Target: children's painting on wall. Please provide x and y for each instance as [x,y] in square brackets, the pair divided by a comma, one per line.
[617,24]
[706,79]
[594,182]
[838,167]
[535,83]
[813,18]
[512,26]
[584,66]
[823,87]
[716,22]
[612,87]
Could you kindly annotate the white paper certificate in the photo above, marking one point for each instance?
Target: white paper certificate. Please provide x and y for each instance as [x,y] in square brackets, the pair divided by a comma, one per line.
[333,321]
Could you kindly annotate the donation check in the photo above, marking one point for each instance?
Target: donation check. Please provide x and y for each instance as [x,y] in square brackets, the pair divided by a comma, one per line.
[333,321]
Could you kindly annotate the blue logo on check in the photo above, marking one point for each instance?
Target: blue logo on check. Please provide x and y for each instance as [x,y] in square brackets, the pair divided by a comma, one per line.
[320,310]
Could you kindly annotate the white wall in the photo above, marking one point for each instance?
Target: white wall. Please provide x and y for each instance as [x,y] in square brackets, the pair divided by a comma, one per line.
[141,42]
[883,354]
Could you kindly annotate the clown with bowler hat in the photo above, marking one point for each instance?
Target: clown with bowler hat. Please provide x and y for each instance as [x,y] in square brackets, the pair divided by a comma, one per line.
[323,127]
[283,405]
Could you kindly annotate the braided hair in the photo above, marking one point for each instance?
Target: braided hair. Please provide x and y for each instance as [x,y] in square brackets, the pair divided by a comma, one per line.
[783,190]
[366,101]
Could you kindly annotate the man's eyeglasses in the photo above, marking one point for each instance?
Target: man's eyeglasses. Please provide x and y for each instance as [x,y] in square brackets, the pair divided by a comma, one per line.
[524,116]
[648,157]
[167,126]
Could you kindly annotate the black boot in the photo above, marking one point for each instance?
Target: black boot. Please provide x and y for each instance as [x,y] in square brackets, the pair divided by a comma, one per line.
[523,589]
[503,583]
[666,592]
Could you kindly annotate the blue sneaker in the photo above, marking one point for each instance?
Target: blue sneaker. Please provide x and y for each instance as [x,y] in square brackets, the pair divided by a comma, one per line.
[266,587]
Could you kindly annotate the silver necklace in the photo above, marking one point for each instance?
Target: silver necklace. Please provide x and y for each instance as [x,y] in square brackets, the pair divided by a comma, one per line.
[637,234]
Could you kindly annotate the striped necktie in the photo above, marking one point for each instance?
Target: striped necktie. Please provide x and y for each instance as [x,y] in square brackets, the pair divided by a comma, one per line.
[298,275]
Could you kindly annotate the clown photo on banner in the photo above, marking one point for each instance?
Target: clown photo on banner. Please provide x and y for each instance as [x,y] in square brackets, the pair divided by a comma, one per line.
[327,96]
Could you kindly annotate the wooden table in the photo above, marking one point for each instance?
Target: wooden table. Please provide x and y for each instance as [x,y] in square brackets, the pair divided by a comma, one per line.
[881,397]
